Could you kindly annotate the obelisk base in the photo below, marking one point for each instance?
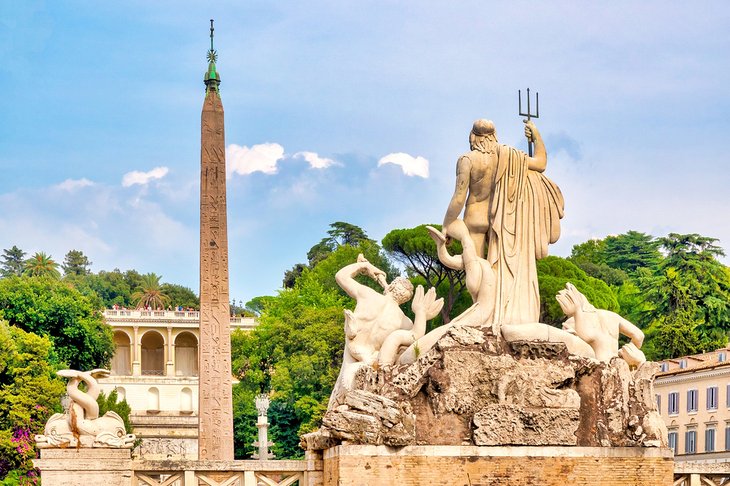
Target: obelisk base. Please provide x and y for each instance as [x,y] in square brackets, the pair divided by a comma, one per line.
[350,465]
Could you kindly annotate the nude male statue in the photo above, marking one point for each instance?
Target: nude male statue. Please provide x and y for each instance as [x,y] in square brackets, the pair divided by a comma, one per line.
[377,328]
[476,173]
[512,211]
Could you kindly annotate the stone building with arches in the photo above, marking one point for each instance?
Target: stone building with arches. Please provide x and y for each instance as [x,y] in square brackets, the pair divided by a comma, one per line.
[155,368]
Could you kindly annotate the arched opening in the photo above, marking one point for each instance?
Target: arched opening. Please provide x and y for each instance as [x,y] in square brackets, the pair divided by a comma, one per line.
[186,400]
[122,361]
[153,399]
[186,355]
[153,354]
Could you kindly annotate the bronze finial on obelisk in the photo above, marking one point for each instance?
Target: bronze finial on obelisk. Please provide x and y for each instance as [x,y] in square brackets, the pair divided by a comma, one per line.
[215,404]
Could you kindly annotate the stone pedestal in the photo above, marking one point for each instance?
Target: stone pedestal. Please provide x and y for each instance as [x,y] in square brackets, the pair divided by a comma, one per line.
[351,465]
[84,467]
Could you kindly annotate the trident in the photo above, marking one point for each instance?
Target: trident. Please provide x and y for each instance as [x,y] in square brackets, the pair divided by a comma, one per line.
[529,114]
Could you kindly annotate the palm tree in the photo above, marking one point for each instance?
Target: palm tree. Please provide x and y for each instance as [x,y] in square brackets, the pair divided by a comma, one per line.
[149,293]
[41,265]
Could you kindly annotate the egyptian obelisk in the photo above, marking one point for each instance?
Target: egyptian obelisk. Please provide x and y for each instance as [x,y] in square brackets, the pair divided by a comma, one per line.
[215,405]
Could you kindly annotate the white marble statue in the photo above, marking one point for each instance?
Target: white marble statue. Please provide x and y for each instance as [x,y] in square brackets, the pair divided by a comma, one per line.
[588,332]
[600,328]
[513,210]
[479,282]
[377,329]
[81,425]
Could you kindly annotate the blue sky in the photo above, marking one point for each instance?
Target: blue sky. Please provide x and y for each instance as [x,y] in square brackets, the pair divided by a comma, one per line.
[100,120]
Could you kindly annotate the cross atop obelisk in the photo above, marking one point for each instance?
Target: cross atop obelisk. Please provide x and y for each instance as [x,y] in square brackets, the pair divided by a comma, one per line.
[215,405]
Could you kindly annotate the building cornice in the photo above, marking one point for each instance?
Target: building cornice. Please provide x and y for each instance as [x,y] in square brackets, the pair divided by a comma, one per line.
[690,376]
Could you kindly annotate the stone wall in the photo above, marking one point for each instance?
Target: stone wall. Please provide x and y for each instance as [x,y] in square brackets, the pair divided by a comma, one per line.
[354,465]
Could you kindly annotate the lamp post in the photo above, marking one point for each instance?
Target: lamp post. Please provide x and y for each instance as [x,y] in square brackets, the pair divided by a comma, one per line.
[262,406]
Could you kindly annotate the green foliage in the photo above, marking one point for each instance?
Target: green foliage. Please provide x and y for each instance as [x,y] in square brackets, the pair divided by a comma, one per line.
[339,234]
[416,250]
[52,308]
[624,253]
[257,305]
[114,287]
[688,298]
[111,403]
[294,354]
[13,262]
[76,263]
[149,293]
[180,296]
[291,276]
[632,250]
[324,272]
[553,273]
[41,265]
[29,392]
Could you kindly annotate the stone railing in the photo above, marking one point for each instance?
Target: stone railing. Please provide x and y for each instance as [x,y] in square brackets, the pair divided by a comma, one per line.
[227,473]
[120,315]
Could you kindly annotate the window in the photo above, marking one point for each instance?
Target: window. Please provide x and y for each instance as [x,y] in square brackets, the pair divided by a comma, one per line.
[673,403]
[728,396]
[690,441]
[692,402]
[672,436]
[710,439]
[727,437]
[721,357]
[664,367]
[682,364]
[659,403]
[711,398]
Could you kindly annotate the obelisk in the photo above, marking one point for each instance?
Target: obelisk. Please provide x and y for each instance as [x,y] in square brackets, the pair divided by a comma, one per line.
[215,404]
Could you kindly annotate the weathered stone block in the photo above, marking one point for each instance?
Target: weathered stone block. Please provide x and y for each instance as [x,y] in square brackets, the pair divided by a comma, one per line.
[508,424]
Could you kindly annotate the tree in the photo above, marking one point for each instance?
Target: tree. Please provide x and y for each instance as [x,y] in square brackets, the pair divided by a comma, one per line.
[29,392]
[294,354]
[291,276]
[553,273]
[688,298]
[150,293]
[339,234]
[13,262]
[41,265]
[632,250]
[324,272]
[114,287]
[180,296]
[76,263]
[111,403]
[52,308]
[414,248]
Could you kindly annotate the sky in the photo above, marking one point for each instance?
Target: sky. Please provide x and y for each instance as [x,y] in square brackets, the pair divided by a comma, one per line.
[348,111]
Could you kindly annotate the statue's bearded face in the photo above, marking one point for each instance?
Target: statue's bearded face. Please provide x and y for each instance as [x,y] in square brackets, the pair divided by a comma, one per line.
[401,289]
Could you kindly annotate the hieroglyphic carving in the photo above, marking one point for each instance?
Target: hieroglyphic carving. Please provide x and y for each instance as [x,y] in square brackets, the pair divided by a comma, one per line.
[215,403]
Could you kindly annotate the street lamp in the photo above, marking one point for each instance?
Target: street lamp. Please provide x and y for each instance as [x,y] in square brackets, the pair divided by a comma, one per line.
[262,406]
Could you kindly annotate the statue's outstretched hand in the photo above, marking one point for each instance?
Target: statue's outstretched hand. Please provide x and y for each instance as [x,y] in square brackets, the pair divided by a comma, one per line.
[425,303]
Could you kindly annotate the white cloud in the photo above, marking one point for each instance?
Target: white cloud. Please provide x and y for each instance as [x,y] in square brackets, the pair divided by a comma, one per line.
[263,157]
[142,178]
[411,166]
[71,185]
[315,161]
